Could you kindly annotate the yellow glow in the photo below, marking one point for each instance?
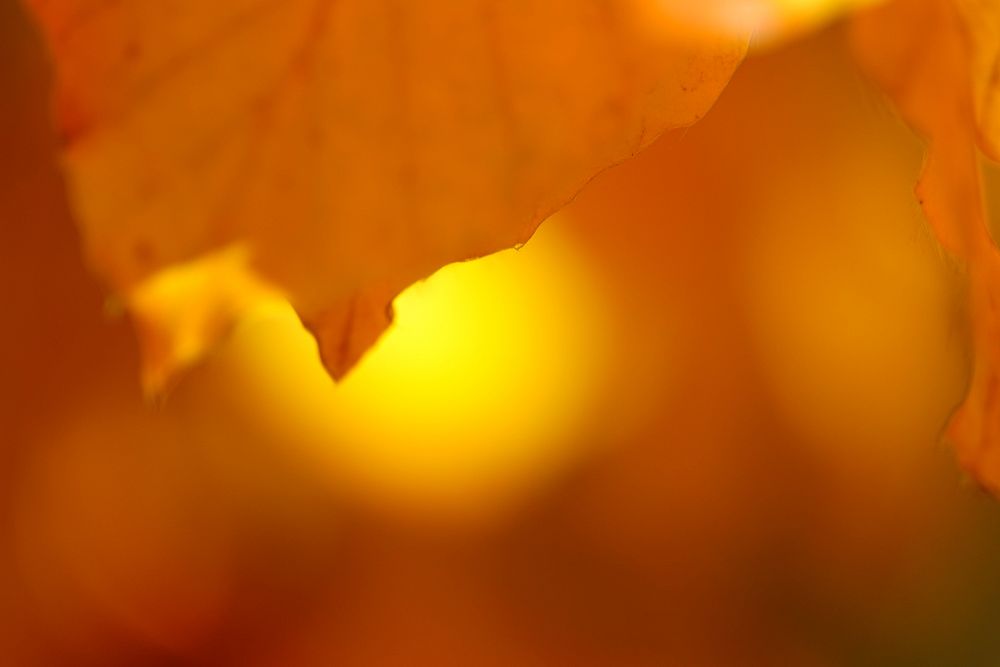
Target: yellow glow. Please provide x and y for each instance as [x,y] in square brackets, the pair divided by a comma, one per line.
[766,20]
[474,393]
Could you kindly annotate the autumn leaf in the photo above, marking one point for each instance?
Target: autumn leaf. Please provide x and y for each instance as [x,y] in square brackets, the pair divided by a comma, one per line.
[332,153]
[345,149]
[781,362]
[939,61]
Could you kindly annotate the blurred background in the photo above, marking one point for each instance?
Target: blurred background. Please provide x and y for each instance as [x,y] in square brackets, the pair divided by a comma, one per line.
[695,421]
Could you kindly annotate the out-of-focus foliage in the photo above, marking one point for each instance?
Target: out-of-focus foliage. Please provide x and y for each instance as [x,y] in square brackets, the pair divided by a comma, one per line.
[939,60]
[370,144]
[752,478]
[348,148]
[366,146]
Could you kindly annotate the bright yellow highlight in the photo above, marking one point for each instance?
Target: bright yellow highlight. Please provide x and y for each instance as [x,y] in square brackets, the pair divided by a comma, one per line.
[766,20]
[469,399]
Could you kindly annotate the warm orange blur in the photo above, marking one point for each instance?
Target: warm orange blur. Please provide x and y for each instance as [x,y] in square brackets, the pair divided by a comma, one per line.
[694,422]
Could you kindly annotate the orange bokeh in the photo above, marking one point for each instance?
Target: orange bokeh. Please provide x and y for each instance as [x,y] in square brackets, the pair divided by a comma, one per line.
[695,422]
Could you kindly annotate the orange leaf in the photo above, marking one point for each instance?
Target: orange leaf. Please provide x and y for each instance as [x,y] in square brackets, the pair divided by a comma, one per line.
[346,148]
[939,61]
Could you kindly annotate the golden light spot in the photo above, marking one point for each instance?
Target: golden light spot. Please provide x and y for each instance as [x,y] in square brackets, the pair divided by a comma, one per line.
[474,393]
[766,20]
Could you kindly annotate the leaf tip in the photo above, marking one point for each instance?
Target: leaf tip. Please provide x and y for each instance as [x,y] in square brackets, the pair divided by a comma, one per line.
[346,331]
